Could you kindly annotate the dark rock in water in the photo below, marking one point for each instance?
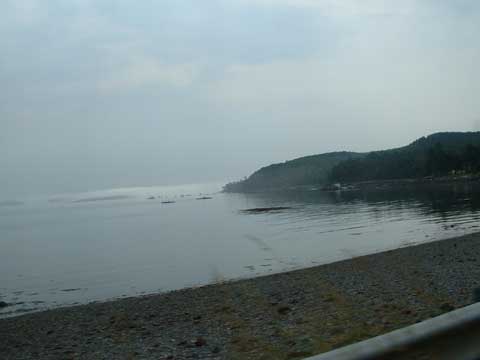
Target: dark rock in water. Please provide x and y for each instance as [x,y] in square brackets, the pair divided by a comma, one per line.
[3,304]
[204,198]
[265,209]
[151,198]
[168,202]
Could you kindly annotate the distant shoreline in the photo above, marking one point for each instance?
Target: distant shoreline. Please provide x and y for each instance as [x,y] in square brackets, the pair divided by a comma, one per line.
[287,315]
[430,180]
[376,184]
[424,180]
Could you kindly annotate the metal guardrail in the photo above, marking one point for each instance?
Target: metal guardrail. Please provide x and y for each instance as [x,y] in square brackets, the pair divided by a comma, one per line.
[454,335]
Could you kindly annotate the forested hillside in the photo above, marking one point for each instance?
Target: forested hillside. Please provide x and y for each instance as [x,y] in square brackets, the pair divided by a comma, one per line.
[436,155]
[314,169]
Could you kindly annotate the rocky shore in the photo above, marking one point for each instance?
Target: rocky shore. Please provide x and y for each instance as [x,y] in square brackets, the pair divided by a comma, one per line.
[428,181]
[283,316]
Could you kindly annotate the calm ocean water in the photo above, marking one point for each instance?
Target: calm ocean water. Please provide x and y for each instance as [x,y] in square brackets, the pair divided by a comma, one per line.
[71,249]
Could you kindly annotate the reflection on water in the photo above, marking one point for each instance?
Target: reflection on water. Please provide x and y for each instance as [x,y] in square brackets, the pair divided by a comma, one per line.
[125,243]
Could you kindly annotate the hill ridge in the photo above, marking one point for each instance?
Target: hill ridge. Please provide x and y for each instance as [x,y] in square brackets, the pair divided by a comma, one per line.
[435,154]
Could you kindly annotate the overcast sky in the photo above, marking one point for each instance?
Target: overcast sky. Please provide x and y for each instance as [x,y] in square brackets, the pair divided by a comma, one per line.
[113,93]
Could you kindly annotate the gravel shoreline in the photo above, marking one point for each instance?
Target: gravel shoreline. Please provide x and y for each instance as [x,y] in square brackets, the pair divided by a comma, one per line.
[290,315]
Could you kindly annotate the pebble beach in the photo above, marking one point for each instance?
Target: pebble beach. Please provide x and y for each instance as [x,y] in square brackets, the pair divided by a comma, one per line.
[290,315]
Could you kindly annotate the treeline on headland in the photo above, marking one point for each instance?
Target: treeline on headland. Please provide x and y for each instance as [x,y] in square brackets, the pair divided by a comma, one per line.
[438,154]
[306,170]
